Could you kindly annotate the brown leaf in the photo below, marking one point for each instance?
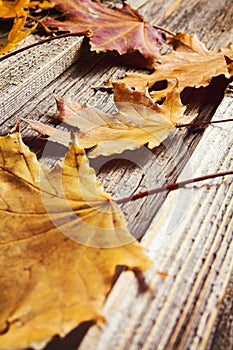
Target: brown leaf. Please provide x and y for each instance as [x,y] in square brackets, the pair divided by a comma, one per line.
[122,29]
[190,63]
[138,121]
[19,11]
[54,273]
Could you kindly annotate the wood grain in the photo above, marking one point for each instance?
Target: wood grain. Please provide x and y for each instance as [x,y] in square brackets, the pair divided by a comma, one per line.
[25,74]
[180,311]
[222,337]
[190,239]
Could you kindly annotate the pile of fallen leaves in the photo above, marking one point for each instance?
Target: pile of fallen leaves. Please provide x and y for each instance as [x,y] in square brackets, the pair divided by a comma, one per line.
[62,236]
[141,118]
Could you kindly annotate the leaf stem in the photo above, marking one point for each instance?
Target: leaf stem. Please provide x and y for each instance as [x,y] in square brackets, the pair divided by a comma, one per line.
[164,30]
[46,29]
[203,123]
[172,186]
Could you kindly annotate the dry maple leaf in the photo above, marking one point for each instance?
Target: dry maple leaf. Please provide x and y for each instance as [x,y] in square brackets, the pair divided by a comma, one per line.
[190,63]
[17,10]
[121,29]
[49,282]
[42,4]
[11,9]
[138,121]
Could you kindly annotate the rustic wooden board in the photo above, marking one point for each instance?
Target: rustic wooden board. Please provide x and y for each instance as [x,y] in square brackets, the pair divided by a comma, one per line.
[91,69]
[222,332]
[190,239]
[26,73]
[136,171]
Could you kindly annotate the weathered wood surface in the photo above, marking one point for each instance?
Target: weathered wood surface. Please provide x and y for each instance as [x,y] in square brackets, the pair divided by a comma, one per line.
[21,82]
[179,312]
[190,239]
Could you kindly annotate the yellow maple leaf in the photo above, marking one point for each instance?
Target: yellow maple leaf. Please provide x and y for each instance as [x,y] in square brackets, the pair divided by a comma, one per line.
[50,282]
[11,9]
[138,121]
[19,11]
[190,63]
[44,4]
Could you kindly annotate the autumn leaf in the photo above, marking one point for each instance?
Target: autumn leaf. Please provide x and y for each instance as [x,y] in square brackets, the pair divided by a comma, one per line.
[50,282]
[11,9]
[42,4]
[138,121]
[190,63]
[17,10]
[121,29]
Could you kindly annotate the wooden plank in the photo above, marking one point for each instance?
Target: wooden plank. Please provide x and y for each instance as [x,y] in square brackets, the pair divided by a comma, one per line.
[25,74]
[140,170]
[191,239]
[207,19]
[22,76]
[76,82]
[223,335]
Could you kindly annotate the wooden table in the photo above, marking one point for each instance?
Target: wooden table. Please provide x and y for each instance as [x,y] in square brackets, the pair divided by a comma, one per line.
[187,232]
